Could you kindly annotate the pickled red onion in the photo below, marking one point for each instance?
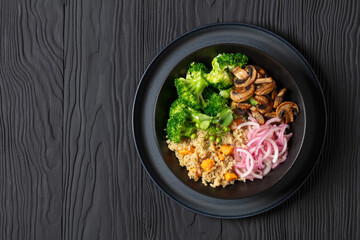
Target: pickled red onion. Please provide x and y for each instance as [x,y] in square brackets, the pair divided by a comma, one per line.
[265,150]
[247,124]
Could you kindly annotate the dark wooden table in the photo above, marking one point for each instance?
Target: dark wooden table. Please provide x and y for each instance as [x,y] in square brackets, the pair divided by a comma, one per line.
[68,75]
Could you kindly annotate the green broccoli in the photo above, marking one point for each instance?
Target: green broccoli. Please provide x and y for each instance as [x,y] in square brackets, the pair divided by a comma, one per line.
[252,101]
[214,103]
[190,89]
[203,121]
[221,76]
[220,79]
[185,95]
[229,61]
[178,127]
[197,70]
[177,106]
[225,93]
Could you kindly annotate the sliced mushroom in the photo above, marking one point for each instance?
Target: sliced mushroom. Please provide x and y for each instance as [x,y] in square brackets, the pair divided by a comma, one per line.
[265,108]
[260,72]
[262,100]
[244,77]
[255,113]
[286,111]
[237,110]
[279,98]
[285,118]
[242,94]
[240,73]
[264,80]
[270,115]
[240,107]
[273,94]
[265,88]
[243,106]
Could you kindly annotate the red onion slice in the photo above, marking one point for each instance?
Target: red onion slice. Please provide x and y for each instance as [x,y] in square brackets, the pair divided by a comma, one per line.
[248,124]
[265,150]
[249,162]
[272,120]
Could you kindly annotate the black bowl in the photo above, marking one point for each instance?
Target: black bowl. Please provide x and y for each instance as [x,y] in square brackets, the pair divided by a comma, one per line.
[156,93]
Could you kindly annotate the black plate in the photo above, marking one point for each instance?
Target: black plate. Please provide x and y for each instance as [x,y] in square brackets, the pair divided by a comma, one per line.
[156,92]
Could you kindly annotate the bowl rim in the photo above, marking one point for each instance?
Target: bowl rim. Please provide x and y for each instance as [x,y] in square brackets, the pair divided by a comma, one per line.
[167,46]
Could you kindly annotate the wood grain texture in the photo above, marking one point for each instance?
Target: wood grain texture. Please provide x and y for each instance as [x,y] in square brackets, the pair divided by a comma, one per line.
[31,103]
[68,75]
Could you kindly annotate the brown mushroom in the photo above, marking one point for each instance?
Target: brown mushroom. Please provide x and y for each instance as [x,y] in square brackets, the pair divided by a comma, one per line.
[264,80]
[240,73]
[255,113]
[236,109]
[260,72]
[265,88]
[240,107]
[279,98]
[270,115]
[243,106]
[286,111]
[273,94]
[265,108]
[242,94]
[262,100]
[244,77]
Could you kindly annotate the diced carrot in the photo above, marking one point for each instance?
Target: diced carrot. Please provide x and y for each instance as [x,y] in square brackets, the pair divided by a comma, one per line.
[229,176]
[221,156]
[235,123]
[227,150]
[196,172]
[238,121]
[208,164]
[185,151]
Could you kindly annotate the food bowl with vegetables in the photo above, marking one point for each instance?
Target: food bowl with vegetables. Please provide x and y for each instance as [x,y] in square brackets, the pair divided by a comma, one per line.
[217,126]
[229,120]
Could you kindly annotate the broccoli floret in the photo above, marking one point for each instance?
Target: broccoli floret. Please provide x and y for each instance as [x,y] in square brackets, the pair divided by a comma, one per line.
[186,96]
[225,93]
[214,103]
[177,106]
[229,61]
[196,69]
[190,89]
[208,92]
[220,79]
[199,118]
[178,127]
[220,76]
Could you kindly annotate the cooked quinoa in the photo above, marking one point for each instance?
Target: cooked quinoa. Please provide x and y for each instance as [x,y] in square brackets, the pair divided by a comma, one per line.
[206,159]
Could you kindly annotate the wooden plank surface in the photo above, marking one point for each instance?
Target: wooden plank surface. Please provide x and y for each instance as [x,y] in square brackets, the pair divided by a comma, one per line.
[31,111]
[68,74]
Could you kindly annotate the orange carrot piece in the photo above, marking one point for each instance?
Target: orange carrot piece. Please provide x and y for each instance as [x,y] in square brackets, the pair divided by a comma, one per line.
[185,151]
[208,164]
[235,123]
[230,176]
[221,156]
[238,121]
[227,150]
[196,172]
